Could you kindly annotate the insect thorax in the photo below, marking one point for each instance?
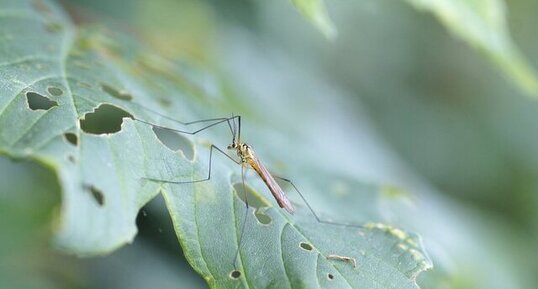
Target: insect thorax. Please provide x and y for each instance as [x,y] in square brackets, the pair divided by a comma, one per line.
[244,152]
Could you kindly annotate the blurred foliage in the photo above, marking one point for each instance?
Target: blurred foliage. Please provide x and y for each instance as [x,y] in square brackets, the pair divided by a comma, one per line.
[483,25]
[419,109]
[315,12]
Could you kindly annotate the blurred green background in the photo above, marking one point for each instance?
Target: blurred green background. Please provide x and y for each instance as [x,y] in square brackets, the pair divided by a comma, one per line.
[455,123]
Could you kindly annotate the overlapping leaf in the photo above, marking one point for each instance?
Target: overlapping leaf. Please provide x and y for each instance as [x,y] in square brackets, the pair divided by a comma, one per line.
[483,25]
[316,13]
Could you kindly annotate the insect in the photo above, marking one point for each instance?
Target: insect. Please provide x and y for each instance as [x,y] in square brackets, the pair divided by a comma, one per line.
[247,159]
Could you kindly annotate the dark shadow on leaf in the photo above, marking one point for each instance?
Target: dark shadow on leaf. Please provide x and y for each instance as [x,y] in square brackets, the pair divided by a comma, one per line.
[97,194]
[175,141]
[55,91]
[119,94]
[71,159]
[254,201]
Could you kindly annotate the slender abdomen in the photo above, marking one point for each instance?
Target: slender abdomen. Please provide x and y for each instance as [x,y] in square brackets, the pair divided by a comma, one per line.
[273,186]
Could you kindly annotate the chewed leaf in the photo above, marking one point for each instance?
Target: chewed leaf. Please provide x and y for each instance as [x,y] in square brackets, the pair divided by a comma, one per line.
[291,250]
[316,12]
[55,109]
[483,25]
[70,99]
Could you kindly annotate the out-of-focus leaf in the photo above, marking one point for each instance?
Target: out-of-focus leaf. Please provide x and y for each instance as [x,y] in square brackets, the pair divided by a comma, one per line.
[316,12]
[29,193]
[482,24]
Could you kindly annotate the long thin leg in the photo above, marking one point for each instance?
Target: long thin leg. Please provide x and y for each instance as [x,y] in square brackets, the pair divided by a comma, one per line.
[200,180]
[247,206]
[218,121]
[245,217]
[312,210]
[173,119]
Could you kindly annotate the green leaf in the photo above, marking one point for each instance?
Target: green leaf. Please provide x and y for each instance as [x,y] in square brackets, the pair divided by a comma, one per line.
[482,24]
[316,12]
[386,257]
[67,99]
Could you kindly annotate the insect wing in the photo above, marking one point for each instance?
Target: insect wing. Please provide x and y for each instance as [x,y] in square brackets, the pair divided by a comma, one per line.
[273,186]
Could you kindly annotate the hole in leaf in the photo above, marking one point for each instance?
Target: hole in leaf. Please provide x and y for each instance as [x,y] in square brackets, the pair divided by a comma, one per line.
[306,246]
[235,274]
[104,119]
[330,276]
[56,91]
[97,195]
[175,141]
[120,94]
[37,101]
[71,138]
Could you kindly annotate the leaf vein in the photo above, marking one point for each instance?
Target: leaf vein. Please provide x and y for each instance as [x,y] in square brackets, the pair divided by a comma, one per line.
[26,59]
[27,86]
[237,239]
[198,232]
[304,236]
[282,253]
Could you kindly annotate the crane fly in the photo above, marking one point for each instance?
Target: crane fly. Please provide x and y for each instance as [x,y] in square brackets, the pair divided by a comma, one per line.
[248,156]
[247,159]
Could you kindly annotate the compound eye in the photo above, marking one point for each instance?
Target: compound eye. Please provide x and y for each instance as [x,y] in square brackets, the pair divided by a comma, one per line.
[230,147]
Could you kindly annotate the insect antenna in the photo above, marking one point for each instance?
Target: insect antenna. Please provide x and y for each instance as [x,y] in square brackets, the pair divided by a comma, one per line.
[233,129]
